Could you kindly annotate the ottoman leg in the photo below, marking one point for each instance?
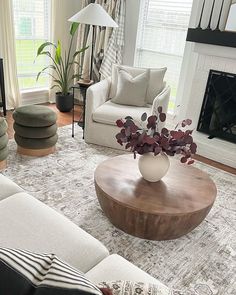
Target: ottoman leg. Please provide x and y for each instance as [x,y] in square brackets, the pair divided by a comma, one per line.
[3,164]
[36,152]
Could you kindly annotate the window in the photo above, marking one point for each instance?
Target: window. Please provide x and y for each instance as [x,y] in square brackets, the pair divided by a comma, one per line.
[161,38]
[32,28]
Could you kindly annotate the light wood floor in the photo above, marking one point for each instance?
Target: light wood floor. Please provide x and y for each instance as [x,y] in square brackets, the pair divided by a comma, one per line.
[66,119]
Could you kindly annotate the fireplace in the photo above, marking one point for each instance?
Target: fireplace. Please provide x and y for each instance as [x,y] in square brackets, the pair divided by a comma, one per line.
[218,112]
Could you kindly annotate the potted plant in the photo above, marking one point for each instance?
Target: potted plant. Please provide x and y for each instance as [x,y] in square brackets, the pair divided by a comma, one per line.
[155,145]
[61,69]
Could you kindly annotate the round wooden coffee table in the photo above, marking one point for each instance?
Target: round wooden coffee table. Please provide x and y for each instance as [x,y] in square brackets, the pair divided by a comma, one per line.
[163,210]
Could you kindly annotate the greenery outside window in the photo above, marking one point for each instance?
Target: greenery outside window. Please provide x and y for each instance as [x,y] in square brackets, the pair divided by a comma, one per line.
[32,28]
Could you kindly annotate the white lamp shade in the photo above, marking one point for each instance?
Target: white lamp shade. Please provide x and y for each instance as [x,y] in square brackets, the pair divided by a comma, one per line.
[93,14]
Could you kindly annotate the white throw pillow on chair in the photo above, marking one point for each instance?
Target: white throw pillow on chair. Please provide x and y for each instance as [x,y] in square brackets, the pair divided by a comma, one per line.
[155,84]
[131,90]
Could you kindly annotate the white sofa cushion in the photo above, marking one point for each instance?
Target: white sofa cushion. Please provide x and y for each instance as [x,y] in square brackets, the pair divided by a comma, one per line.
[27,223]
[115,267]
[8,187]
[155,85]
[109,112]
[131,90]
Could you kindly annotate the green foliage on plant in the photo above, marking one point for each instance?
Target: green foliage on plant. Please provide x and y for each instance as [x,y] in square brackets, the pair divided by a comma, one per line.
[62,65]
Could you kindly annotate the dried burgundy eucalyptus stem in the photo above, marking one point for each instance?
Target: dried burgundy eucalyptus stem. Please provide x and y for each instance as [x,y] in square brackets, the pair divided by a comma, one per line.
[141,140]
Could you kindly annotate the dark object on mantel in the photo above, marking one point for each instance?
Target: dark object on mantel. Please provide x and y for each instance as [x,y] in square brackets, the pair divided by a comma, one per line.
[2,89]
[218,113]
[211,36]
[214,37]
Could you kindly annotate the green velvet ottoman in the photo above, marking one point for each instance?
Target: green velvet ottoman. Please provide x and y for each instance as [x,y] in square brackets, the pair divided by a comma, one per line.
[3,143]
[35,130]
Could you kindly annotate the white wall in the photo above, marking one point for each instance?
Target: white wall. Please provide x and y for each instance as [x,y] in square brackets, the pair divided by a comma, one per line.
[131,27]
[62,10]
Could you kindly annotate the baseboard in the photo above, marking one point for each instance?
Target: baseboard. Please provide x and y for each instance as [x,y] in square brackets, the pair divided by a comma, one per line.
[34,96]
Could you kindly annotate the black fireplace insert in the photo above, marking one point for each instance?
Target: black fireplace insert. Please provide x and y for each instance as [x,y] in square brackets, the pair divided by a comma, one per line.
[218,113]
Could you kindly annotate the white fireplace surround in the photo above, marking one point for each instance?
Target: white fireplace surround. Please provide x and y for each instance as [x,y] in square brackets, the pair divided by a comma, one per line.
[198,60]
[204,58]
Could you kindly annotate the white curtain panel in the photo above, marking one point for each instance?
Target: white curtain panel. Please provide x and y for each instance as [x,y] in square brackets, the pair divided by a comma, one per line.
[61,11]
[8,53]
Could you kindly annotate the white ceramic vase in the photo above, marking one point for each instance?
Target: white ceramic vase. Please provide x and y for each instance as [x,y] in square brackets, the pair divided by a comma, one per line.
[153,168]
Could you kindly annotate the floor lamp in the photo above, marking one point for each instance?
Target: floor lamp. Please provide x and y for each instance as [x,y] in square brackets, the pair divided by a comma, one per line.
[95,15]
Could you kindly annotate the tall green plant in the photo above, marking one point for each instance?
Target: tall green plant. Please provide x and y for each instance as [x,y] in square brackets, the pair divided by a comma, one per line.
[62,73]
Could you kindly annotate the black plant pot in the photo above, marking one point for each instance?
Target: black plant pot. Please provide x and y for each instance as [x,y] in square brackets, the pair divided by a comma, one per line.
[64,103]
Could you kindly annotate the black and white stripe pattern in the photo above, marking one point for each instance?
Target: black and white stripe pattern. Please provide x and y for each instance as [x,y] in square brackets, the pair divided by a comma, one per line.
[44,270]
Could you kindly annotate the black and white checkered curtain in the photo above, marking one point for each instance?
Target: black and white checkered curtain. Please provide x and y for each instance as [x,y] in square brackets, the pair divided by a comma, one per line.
[109,42]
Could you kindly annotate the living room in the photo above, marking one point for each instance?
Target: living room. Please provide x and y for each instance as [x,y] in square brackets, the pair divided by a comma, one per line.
[117,147]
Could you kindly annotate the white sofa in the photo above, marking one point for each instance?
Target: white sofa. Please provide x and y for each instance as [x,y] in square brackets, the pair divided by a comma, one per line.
[101,114]
[27,223]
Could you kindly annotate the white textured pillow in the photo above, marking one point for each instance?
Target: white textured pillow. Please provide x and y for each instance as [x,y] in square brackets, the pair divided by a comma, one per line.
[155,83]
[131,90]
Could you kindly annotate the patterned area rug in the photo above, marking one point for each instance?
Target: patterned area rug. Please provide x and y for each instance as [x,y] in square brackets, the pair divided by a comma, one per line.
[200,263]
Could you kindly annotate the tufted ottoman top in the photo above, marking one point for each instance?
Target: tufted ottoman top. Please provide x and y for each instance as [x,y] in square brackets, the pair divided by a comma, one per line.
[35,116]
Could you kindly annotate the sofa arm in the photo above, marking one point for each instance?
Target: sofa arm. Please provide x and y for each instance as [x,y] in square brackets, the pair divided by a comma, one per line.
[162,99]
[97,94]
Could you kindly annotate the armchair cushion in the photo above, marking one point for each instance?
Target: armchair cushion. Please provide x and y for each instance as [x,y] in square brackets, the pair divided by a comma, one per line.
[109,112]
[155,85]
[131,90]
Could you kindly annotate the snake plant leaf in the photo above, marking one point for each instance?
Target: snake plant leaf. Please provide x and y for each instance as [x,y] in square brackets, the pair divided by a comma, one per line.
[58,53]
[80,51]
[58,82]
[46,53]
[44,69]
[54,86]
[73,28]
[42,46]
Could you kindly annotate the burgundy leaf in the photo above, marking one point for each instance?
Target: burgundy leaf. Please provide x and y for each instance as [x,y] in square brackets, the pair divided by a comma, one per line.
[176,134]
[144,117]
[159,109]
[193,148]
[165,131]
[183,123]
[162,117]
[133,128]
[170,153]
[188,121]
[128,145]
[118,136]
[149,140]
[128,123]
[188,139]
[190,162]
[157,150]
[152,122]
[120,142]
[183,159]
[119,123]
[188,132]
[127,131]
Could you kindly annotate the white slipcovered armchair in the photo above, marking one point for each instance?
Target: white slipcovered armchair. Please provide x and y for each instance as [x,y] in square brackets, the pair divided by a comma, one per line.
[101,113]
